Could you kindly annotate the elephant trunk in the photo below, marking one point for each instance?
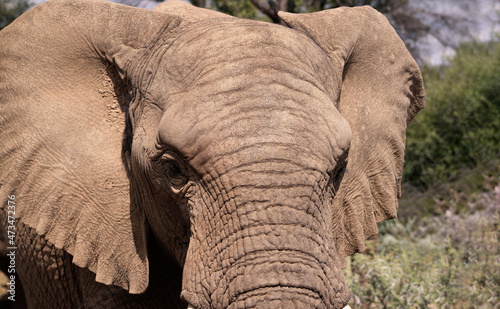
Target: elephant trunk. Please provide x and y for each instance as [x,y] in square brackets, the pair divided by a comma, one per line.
[264,244]
[282,272]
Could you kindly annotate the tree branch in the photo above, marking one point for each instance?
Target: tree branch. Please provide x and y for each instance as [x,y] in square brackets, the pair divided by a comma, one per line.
[272,10]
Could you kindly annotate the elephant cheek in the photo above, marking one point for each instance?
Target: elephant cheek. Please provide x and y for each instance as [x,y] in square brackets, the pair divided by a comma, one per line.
[168,225]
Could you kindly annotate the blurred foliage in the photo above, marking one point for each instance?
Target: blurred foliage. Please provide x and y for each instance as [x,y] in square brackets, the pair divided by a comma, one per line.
[459,129]
[447,261]
[10,10]
[267,10]
[270,8]
[240,8]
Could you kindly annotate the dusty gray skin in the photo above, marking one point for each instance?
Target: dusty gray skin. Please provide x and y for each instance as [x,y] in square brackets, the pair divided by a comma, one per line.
[185,152]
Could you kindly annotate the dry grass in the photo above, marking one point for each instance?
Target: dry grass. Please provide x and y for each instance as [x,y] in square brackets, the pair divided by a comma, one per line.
[447,261]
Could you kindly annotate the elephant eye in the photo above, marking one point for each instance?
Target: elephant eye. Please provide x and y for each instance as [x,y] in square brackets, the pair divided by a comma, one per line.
[172,169]
[174,173]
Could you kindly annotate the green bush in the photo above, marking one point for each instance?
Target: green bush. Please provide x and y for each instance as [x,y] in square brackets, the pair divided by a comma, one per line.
[459,128]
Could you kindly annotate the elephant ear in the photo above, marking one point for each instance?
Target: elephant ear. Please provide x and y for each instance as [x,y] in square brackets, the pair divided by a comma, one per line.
[63,132]
[381,91]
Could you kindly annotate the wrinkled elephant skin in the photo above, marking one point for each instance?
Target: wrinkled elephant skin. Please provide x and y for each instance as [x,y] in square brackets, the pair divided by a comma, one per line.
[182,158]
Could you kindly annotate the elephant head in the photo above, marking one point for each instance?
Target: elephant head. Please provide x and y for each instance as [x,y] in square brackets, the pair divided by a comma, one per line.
[259,155]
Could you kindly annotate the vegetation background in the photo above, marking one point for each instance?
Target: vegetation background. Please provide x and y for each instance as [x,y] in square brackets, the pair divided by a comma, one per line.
[443,251]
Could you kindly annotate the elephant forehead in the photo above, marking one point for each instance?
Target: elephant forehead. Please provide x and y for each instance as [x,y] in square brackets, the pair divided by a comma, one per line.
[245,87]
[209,53]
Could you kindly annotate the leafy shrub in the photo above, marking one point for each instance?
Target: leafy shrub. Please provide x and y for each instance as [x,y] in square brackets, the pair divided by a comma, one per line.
[459,128]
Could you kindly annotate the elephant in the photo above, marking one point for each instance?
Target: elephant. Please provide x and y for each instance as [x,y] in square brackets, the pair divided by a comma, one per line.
[183,158]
